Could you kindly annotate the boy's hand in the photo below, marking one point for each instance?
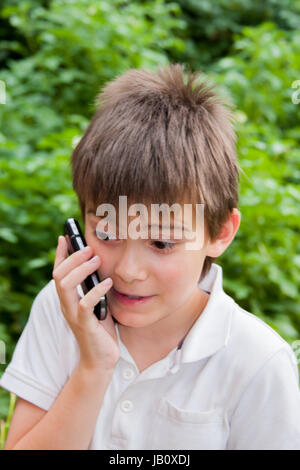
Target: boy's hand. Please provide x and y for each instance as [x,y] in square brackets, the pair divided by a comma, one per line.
[97,340]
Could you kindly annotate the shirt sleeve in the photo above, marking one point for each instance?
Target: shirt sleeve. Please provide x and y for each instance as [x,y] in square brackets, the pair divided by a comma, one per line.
[267,416]
[34,372]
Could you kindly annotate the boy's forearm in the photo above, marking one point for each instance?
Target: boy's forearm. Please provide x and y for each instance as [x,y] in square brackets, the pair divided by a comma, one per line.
[70,422]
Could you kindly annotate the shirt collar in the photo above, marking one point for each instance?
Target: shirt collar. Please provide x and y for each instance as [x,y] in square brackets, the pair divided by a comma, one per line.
[211,330]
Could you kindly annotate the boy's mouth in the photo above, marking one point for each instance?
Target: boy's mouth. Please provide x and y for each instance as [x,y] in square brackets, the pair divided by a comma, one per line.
[132,296]
[129,298]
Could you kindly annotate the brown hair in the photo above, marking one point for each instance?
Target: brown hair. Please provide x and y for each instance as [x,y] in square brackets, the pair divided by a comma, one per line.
[155,137]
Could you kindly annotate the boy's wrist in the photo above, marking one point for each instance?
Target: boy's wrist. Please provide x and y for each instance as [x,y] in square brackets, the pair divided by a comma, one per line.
[94,373]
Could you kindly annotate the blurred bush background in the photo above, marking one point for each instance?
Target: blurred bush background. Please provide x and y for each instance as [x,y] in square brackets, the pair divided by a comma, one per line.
[54,58]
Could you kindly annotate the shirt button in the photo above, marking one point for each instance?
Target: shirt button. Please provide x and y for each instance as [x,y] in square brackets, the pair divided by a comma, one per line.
[126,406]
[128,374]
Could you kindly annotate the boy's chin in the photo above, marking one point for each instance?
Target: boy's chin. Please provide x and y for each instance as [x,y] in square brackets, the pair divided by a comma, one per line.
[132,320]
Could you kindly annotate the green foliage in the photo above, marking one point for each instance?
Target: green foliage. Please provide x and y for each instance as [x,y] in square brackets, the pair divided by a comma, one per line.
[212,25]
[75,48]
[4,424]
[263,262]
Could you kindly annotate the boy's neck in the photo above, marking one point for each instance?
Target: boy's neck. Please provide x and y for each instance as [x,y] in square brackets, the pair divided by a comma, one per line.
[148,343]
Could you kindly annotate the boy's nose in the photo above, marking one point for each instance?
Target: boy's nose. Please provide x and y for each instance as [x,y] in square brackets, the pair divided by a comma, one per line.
[130,265]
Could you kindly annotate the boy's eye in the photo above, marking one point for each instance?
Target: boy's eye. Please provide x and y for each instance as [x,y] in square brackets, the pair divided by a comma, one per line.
[160,245]
[104,236]
[164,246]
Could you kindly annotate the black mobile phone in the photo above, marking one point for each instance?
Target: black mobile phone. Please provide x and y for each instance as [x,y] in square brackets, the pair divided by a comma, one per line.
[76,241]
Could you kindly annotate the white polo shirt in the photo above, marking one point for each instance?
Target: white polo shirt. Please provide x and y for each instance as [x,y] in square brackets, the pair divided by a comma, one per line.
[233,384]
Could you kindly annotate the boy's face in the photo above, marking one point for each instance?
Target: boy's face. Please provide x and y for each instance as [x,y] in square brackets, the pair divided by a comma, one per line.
[161,268]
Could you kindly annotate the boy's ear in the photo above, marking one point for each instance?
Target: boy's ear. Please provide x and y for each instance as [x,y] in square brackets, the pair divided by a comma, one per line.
[229,229]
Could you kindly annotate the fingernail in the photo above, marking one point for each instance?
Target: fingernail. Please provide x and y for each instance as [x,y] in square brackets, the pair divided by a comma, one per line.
[107,281]
[94,259]
[86,248]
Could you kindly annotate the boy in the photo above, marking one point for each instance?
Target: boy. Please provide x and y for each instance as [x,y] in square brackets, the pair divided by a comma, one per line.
[182,366]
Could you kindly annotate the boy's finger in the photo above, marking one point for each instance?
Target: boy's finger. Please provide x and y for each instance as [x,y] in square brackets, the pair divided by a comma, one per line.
[91,299]
[65,264]
[61,251]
